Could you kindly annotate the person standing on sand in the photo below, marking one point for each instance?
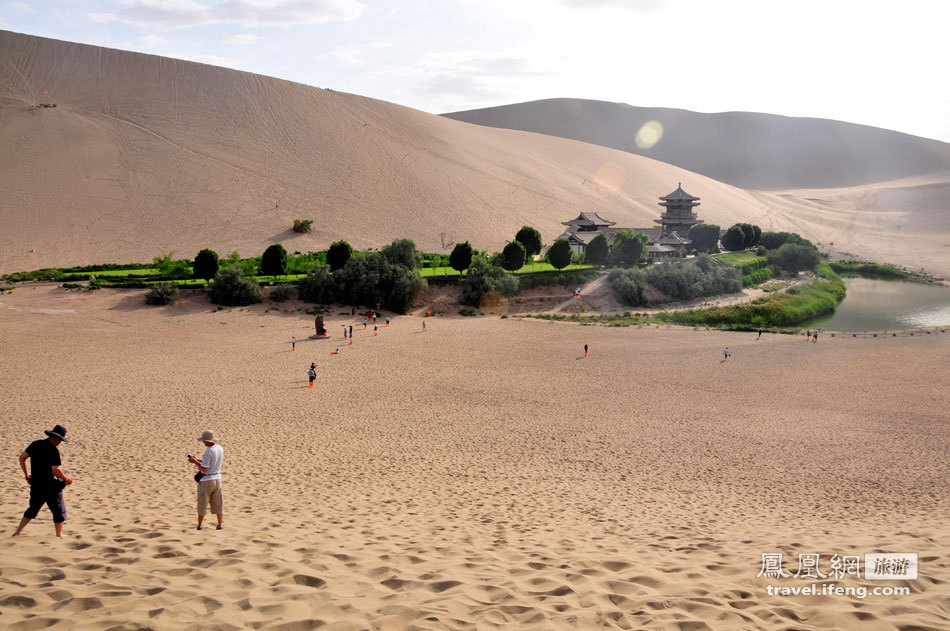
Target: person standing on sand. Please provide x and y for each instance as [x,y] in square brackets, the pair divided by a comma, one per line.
[293,343]
[312,373]
[47,479]
[209,486]
[760,334]
[423,326]
[351,331]
[585,350]
[807,335]
[725,353]
[816,335]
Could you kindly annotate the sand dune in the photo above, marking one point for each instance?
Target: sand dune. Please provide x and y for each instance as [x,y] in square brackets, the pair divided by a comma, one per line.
[482,475]
[746,149]
[145,155]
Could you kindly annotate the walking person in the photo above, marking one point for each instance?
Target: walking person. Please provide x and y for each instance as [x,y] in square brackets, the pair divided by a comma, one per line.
[46,478]
[807,335]
[816,335]
[351,331]
[387,320]
[209,484]
[312,373]
[585,350]
[293,343]
[423,326]
[725,353]
[760,334]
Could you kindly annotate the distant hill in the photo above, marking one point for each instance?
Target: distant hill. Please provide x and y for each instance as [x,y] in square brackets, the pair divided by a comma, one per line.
[144,155]
[759,151]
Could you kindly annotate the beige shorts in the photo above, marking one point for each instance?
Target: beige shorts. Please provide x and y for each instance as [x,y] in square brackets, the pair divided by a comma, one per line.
[209,492]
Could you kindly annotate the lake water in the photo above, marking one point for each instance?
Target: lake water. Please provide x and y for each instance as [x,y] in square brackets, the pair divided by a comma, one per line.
[881,305]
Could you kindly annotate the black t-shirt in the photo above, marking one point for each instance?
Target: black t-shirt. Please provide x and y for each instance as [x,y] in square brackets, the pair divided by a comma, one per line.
[43,457]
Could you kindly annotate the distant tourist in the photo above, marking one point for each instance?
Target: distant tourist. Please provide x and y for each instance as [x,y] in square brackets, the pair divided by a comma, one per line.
[387,320]
[312,373]
[585,350]
[423,326]
[815,338]
[725,353]
[293,343]
[209,483]
[760,334]
[46,479]
[351,332]
[807,335]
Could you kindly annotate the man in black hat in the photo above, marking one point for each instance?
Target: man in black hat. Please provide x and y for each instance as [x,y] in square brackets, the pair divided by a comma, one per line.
[47,479]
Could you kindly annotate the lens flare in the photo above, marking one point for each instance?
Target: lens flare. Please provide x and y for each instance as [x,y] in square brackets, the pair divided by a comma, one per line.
[649,134]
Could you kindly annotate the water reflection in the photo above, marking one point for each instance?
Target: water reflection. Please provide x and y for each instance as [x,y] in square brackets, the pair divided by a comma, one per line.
[877,305]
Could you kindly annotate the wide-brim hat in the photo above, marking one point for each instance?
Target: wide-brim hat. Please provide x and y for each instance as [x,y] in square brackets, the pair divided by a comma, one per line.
[208,436]
[57,432]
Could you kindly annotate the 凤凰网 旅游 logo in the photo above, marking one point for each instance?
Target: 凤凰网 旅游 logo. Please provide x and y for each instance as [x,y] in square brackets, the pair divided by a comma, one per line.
[890,566]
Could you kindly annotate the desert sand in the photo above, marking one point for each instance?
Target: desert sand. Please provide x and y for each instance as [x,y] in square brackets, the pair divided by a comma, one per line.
[480,475]
[145,155]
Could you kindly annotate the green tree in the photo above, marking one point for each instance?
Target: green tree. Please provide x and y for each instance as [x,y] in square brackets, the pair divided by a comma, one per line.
[461,257]
[794,258]
[402,252]
[734,239]
[274,260]
[758,235]
[705,237]
[597,250]
[232,286]
[338,254]
[206,264]
[530,238]
[627,285]
[170,268]
[512,257]
[773,240]
[483,279]
[560,254]
[748,234]
[318,286]
[629,248]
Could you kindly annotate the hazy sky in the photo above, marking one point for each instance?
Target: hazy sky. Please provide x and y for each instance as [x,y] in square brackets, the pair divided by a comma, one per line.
[878,63]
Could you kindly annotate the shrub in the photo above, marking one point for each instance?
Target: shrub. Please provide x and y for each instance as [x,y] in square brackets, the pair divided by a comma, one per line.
[794,258]
[402,252]
[685,281]
[372,278]
[461,257]
[773,240]
[628,248]
[530,238]
[598,250]
[705,237]
[274,260]
[339,253]
[302,225]
[734,239]
[171,269]
[627,285]
[233,287]
[560,254]
[318,286]
[205,265]
[162,294]
[758,234]
[483,279]
[280,293]
[513,256]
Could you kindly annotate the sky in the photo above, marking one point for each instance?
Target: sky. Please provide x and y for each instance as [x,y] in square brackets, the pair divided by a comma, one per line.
[871,62]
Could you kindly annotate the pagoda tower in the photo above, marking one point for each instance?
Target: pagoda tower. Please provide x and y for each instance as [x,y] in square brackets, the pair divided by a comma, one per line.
[678,216]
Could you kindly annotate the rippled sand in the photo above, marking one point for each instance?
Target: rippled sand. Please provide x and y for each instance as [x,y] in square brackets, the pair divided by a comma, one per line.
[480,475]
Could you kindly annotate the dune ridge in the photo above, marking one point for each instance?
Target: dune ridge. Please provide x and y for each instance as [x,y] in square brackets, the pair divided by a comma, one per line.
[145,155]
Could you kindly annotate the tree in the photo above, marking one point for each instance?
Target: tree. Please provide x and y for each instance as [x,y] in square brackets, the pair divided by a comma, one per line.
[274,260]
[338,254]
[597,250]
[206,264]
[461,257]
[794,258]
[512,257]
[629,247]
[233,287]
[758,235]
[705,237]
[402,252]
[318,286]
[560,254]
[734,239]
[748,234]
[773,240]
[169,268]
[530,238]
[483,279]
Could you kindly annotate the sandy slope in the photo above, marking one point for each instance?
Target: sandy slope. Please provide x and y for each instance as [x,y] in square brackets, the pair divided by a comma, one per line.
[747,149]
[145,155]
[481,475]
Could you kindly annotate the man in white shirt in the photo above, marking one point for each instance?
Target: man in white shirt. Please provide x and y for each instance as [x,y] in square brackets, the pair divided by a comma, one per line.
[209,486]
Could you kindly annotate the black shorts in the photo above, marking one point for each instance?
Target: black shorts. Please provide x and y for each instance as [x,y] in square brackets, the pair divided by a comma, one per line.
[53,498]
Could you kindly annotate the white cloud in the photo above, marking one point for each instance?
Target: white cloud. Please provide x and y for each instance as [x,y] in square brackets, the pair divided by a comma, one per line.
[150,41]
[242,39]
[188,13]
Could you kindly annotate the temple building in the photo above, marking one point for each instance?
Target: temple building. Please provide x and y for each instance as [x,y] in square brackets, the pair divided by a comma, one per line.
[667,240]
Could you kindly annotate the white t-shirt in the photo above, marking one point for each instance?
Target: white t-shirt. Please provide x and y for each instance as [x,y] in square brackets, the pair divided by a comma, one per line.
[213,458]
